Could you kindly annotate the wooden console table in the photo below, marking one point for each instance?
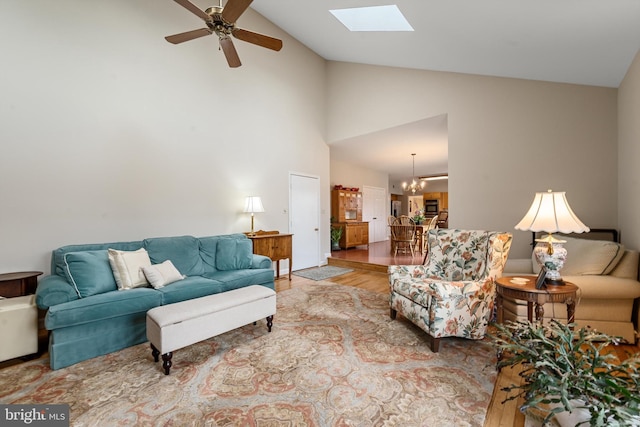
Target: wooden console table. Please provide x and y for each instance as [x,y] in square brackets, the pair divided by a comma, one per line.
[275,246]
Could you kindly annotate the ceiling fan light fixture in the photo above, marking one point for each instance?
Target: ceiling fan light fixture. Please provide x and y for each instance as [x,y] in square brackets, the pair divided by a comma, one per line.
[222,21]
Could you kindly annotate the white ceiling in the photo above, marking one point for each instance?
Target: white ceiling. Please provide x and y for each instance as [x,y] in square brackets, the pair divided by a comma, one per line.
[590,42]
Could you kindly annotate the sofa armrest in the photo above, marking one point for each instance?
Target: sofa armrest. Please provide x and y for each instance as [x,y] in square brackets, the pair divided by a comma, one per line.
[54,290]
[627,267]
[261,261]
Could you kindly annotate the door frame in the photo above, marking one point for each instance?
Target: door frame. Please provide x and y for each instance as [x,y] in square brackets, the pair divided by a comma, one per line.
[318,213]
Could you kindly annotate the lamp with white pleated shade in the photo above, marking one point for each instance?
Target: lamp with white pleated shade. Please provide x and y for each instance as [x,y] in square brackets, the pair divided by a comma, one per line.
[550,212]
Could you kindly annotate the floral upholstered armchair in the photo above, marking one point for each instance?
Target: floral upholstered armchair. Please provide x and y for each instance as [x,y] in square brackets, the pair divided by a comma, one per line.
[452,294]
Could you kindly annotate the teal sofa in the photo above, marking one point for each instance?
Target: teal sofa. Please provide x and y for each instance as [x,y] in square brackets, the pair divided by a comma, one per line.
[88,316]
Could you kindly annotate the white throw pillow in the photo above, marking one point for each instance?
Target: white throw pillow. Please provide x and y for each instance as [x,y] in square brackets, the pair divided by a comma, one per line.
[127,267]
[162,274]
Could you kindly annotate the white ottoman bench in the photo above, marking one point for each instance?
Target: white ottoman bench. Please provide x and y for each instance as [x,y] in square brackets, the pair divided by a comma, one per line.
[174,326]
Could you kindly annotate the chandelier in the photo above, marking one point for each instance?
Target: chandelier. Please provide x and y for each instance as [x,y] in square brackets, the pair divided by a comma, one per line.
[416,185]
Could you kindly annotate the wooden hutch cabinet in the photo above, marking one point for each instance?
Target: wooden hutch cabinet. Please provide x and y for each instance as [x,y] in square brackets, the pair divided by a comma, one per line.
[346,212]
[355,234]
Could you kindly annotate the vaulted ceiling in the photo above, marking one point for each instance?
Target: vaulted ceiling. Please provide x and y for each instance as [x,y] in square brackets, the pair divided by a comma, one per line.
[589,42]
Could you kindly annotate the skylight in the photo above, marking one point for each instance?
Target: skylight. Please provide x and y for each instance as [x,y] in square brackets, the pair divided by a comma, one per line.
[373,18]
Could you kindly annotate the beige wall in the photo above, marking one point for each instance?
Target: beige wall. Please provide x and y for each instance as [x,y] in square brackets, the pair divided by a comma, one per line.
[629,155]
[352,175]
[110,133]
[508,138]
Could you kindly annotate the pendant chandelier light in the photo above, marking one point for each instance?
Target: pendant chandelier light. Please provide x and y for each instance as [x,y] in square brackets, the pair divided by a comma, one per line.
[416,185]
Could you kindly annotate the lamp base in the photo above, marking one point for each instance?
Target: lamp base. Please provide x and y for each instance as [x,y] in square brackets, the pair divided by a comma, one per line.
[553,282]
[551,257]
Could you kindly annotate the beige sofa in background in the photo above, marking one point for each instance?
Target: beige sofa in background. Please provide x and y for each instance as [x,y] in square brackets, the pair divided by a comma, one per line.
[607,275]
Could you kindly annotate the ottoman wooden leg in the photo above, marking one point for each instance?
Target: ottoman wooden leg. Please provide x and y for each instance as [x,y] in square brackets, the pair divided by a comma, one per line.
[155,353]
[166,362]
[269,322]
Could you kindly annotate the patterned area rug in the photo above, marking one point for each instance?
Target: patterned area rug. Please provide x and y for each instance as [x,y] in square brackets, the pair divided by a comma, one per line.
[334,358]
[322,273]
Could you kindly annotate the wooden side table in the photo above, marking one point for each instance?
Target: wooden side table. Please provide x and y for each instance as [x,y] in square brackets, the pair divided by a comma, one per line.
[18,284]
[564,294]
[275,246]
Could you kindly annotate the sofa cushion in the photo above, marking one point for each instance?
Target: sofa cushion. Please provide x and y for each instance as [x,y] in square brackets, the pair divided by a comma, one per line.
[208,248]
[183,251]
[57,256]
[189,288]
[234,254]
[585,257]
[127,267]
[109,305]
[89,272]
[163,274]
[246,277]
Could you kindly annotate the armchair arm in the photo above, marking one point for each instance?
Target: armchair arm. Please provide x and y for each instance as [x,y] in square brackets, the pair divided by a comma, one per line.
[442,290]
[405,271]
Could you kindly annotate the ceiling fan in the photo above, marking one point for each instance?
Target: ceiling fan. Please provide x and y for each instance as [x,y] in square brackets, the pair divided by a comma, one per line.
[222,21]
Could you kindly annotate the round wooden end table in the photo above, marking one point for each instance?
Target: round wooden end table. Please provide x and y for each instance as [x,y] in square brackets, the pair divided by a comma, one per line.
[507,287]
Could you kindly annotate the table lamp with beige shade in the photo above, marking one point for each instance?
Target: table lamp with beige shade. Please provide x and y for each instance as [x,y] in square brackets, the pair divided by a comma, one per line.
[550,212]
[253,204]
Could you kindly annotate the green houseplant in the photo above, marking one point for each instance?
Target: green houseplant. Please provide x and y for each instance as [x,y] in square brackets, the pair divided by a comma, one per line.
[568,371]
[336,234]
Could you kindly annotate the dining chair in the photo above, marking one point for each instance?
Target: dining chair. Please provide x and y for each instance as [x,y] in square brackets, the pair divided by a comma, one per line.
[406,220]
[392,220]
[403,236]
[443,219]
[431,225]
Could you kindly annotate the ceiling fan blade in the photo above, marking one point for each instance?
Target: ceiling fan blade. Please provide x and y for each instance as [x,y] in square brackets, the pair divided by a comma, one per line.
[230,52]
[194,9]
[189,35]
[258,39]
[233,9]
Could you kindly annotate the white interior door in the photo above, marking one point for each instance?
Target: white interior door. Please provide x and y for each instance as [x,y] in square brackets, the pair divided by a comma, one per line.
[374,208]
[304,216]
